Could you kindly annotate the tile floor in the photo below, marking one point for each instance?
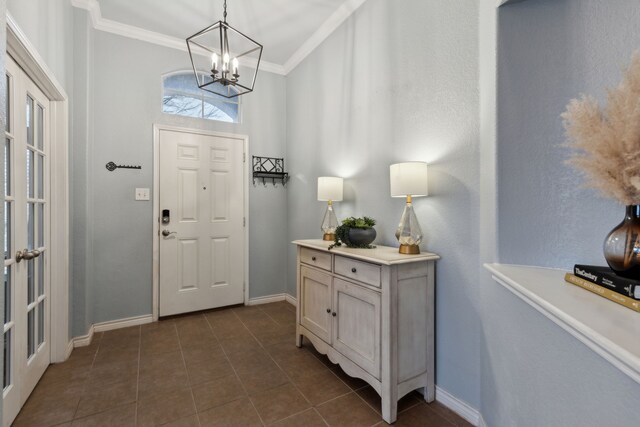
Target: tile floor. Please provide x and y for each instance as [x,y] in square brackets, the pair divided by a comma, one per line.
[232,367]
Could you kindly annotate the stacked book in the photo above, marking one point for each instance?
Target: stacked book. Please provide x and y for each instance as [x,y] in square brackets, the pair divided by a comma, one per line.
[604,282]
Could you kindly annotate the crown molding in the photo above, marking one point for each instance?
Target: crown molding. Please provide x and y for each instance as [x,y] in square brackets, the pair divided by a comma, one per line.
[137,33]
[321,34]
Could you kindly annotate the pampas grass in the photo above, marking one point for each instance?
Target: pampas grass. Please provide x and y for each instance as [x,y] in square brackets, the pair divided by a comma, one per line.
[605,141]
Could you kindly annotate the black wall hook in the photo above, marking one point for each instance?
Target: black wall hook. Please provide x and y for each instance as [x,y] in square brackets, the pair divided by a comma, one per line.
[112,166]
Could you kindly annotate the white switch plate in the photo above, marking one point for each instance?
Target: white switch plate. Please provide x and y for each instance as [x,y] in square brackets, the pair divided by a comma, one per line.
[142,194]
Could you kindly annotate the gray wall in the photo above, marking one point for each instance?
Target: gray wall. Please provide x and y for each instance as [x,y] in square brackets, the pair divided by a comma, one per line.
[398,83]
[124,95]
[550,51]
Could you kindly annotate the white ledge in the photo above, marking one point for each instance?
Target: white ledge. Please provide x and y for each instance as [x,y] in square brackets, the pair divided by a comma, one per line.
[609,329]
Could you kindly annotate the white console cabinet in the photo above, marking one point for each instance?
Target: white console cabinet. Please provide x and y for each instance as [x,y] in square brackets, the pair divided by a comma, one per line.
[372,312]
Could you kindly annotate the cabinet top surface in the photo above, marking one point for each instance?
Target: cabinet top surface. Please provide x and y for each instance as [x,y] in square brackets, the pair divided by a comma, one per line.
[380,254]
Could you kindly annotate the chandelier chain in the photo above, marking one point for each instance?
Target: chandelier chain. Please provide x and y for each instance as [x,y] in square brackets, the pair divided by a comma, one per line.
[225,11]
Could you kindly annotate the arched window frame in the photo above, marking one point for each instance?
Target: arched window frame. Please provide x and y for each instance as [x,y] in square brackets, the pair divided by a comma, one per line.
[212,106]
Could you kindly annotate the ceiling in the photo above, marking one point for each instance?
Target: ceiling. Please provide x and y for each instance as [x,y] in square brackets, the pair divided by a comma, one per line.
[288,29]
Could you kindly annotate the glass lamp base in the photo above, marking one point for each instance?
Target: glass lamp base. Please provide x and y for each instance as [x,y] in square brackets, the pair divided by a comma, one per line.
[409,249]
[329,237]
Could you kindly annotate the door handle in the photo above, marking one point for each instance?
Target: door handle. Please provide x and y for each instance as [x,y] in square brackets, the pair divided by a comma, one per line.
[167,233]
[26,254]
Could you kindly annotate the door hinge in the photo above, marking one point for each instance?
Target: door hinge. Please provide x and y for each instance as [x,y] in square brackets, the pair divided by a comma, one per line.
[244,157]
[244,221]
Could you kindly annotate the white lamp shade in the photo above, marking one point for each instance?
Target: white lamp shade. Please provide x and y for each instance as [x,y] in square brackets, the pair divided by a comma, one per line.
[330,188]
[409,179]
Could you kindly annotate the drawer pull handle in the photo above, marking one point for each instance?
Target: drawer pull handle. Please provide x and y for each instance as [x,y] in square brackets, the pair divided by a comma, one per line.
[328,310]
[313,258]
[334,314]
[353,270]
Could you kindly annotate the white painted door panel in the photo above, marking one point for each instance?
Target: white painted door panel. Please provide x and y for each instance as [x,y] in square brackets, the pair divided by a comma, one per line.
[201,184]
[356,326]
[315,302]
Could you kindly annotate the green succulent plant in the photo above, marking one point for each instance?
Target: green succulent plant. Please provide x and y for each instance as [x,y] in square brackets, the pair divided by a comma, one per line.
[342,231]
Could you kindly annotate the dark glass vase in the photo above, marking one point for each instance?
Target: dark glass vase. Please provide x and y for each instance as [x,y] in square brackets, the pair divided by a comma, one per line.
[361,236]
[622,245]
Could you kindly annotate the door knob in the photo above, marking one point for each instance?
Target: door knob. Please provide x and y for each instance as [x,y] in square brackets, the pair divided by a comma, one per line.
[26,254]
[167,233]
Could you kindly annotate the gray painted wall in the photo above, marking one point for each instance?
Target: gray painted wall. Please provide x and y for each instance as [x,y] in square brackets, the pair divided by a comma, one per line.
[550,51]
[396,84]
[125,94]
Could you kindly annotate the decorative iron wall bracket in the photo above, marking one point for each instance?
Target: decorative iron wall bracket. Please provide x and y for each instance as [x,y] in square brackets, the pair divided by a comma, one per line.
[269,169]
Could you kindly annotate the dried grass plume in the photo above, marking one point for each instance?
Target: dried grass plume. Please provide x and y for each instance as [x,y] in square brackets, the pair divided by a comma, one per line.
[606,142]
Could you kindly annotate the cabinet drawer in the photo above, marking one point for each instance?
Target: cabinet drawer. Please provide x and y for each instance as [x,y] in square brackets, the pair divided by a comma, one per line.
[316,258]
[358,270]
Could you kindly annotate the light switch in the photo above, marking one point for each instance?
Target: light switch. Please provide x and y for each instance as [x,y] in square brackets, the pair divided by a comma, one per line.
[142,194]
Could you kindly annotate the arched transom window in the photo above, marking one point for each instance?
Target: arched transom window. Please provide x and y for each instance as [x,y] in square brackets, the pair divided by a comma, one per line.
[182,96]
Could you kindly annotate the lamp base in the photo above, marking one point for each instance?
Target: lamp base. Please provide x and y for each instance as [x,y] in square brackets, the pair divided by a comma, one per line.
[409,249]
[329,237]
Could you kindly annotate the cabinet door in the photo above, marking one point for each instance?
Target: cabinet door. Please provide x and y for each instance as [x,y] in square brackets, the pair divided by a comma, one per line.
[315,302]
[356,325]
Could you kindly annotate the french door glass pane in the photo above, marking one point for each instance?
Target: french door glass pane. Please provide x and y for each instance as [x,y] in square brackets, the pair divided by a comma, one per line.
[41,274]
[8,106]
[31,226]
[30,183]
[40,121]
[40,322]
[7,294]
[31,333]
[7,359]
[40,225]
[7,230]
[7,167]
[40,176]
[30,282]
[29,120]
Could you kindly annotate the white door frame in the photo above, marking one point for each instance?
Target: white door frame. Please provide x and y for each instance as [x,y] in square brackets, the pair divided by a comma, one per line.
[156,205]
[27,57]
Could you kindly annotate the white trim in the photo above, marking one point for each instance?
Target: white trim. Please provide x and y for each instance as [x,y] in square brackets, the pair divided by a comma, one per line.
[316,39]
[291,300]
[481,422]
[156,206]
[612,333]
[326,29]
[70,348]
[84,340]
[122,323]
[458,406]
[267,299]
[137,33]
[28,58]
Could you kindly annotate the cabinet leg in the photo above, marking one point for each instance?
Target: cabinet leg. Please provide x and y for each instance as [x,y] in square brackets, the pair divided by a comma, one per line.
[389,410]
[298,340]
[429,391]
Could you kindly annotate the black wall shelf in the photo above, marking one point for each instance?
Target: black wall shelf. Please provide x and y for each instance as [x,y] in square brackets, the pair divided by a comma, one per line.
[269,169]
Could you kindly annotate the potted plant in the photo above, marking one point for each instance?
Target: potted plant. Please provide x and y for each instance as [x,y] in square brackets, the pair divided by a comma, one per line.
[355,233]
[605,145]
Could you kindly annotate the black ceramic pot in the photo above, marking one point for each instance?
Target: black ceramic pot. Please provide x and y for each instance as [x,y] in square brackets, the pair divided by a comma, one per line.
[361,236]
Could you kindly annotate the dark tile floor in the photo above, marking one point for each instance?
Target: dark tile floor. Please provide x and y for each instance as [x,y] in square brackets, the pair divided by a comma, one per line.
[232,367]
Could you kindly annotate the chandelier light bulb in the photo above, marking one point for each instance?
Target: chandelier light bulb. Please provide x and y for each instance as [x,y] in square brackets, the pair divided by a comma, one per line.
[235,66]
[214,62]
[226,59]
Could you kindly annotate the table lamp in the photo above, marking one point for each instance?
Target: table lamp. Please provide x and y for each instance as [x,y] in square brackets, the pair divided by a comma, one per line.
[409,180]
[329,190]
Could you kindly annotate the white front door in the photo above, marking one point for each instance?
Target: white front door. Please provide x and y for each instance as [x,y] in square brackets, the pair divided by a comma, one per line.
[26,228]
[201,221]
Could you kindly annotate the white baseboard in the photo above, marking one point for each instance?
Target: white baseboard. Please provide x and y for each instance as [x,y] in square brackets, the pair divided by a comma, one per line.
[123,323]
[291,300]
[85,340]
[459,407]
[266,300]
[70,347]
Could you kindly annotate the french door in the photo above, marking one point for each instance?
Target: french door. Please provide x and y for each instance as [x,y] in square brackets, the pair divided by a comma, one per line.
[26,228]
[202,221]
